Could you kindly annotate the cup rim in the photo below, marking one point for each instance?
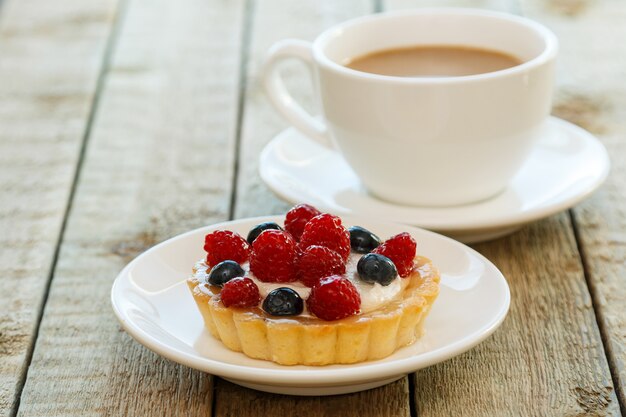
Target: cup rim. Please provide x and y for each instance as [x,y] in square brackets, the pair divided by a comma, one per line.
[549,52]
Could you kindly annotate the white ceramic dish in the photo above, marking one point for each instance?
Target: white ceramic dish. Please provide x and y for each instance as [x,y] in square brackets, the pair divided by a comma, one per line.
[153,304]
[565,167]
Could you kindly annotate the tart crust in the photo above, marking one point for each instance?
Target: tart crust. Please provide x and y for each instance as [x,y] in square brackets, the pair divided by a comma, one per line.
[310,341]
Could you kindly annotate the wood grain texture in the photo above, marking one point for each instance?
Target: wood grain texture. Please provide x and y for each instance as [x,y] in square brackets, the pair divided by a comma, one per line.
[159,162]
[592,94]
[388,401]
[548,358]
[50,59]
[275,20]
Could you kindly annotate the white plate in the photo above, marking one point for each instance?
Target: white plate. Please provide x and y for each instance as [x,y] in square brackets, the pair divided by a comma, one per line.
[153,304]
[566,165]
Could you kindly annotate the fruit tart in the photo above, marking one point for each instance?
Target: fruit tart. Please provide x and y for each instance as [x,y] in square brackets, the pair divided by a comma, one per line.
[313,292]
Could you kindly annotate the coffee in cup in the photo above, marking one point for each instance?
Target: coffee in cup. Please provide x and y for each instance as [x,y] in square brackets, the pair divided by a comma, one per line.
[433,61]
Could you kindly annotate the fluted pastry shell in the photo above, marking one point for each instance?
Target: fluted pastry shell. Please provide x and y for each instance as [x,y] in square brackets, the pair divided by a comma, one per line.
[302,340]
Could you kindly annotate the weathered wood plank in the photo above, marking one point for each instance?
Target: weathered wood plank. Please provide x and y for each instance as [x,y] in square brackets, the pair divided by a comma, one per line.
[592,94]
[159,162]
[547,359]
[50,59]
[275,20]
[389,401]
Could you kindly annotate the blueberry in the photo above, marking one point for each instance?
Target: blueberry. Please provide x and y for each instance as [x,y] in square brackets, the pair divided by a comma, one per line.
[376,268]
[256,230]
[283,302]
[362,240]
[225,271]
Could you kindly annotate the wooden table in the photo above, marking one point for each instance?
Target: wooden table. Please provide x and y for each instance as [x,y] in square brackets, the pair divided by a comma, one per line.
[125,122]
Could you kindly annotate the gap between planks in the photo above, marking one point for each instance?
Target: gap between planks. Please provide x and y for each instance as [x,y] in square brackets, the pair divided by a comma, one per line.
[104,67]
[256,124]
[115,374]
[604,336]
[244,57]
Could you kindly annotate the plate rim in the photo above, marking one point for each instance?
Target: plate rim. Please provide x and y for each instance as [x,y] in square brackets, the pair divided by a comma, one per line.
[508,220]
[322,376]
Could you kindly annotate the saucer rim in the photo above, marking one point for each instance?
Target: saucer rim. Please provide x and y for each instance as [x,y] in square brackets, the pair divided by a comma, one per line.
[507,220]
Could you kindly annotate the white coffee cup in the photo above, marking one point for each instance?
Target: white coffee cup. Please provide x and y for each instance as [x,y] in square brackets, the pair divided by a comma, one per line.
[426,141]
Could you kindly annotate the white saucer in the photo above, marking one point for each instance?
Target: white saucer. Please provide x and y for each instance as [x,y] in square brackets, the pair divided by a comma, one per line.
[153,304]
[565,167]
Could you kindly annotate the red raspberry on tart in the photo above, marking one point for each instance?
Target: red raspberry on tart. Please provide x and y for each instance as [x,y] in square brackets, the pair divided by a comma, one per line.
[326,230]
[317,262]
[223,245]
[274,256]
[240,292]
[297,218]
[334,298]
[401,250]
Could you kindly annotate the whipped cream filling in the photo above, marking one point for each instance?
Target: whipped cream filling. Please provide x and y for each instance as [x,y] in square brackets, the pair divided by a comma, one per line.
[373,296]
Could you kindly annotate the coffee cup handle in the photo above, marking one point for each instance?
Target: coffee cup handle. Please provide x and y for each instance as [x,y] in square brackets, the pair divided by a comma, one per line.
[280,97]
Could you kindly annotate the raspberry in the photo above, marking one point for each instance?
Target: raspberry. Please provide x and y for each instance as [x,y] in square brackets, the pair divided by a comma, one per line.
[297,218]
[240,292]
[223,245]
[326,230]
[334,298]
[274,256]
[401,250]
[318,262]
